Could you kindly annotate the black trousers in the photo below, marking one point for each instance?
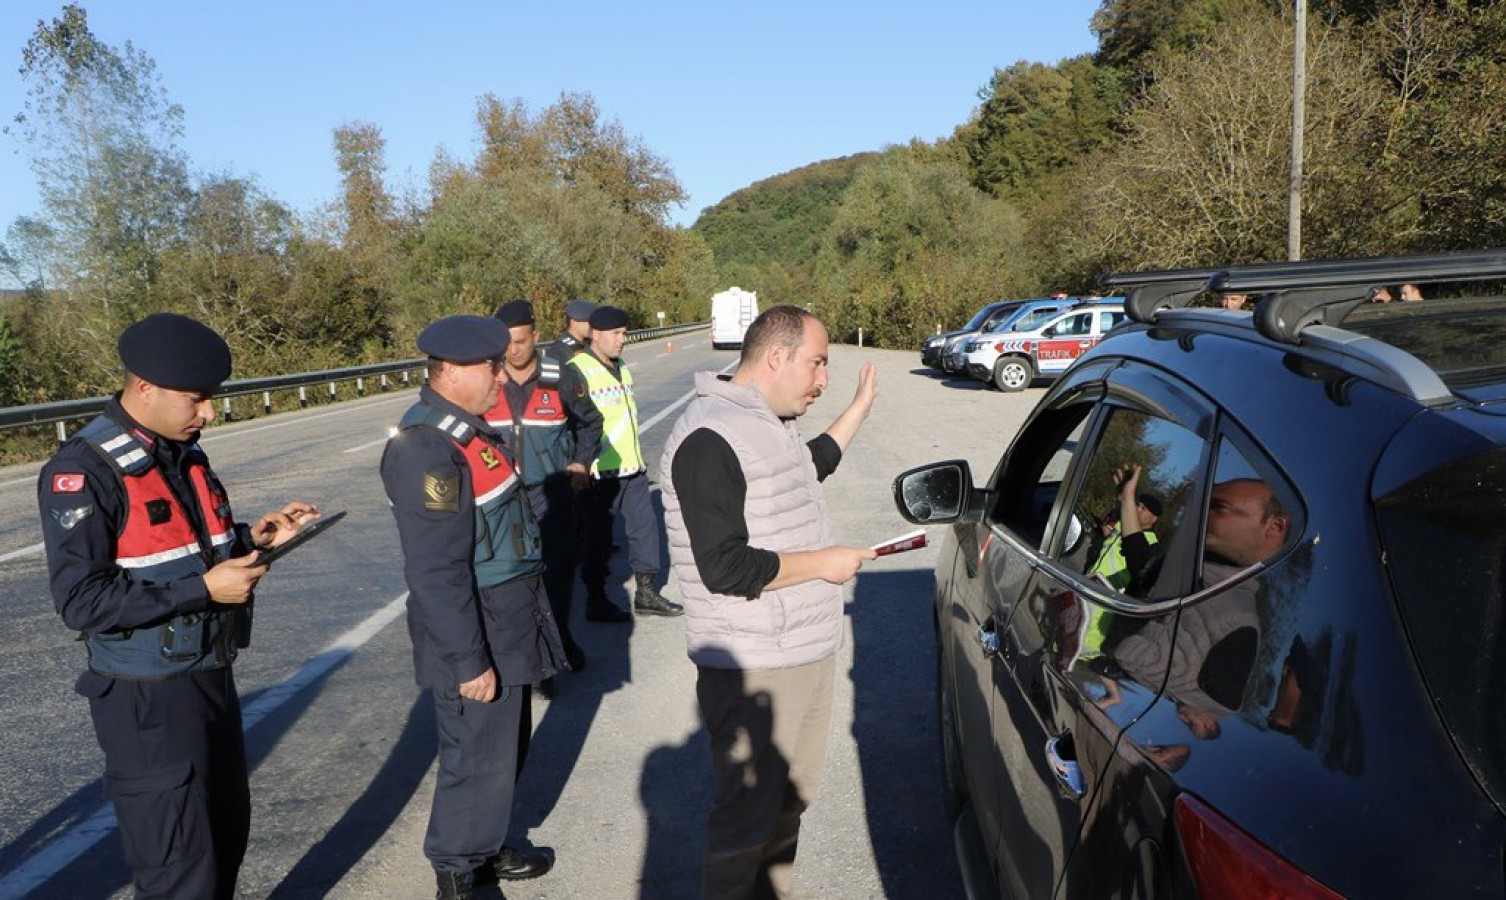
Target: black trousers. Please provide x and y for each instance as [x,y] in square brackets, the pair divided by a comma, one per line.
[175,770]
[604,499]
[553,504]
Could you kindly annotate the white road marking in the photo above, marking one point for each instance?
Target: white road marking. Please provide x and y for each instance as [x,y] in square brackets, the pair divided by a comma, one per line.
[76,841]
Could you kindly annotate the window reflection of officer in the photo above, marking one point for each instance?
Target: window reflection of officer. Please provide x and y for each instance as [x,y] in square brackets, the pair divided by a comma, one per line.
[541,434]
[599,389]
[577,336]
[480,623]
[146,561]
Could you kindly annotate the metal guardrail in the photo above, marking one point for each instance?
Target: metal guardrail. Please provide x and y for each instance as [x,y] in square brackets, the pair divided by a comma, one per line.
[64,411]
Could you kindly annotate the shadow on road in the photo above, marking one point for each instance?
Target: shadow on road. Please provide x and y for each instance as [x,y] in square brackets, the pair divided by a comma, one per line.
[894,726]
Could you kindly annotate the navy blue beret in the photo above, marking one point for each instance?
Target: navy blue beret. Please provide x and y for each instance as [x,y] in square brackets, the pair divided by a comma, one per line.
[608,317]
[464,339]
[175,352]
[580,310]
[514,313]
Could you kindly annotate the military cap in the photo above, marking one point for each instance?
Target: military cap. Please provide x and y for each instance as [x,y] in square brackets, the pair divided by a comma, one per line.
[580,310]
[1150,502]
[464,339]
[515,312]
[605,318]
[175,352]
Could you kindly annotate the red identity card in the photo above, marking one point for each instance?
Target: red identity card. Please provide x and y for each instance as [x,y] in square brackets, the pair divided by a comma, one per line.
[912,540]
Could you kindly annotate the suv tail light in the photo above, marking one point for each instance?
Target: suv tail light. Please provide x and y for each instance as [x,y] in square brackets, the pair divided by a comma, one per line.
[1228,864]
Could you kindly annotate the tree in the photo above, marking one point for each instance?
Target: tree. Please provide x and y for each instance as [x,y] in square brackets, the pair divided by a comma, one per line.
[914,244]
[102,136]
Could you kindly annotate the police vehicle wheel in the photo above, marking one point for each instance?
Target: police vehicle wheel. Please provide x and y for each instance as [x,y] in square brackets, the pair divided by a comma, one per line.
[1011,373]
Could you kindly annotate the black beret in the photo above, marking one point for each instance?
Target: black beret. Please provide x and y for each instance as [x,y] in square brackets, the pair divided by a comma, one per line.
[175,352]
[464,339]
[515,312]
[580,310]
[1151,503]
[608,317]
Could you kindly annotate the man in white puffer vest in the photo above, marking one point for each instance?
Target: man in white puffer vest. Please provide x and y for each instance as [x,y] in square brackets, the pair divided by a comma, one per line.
[750,542]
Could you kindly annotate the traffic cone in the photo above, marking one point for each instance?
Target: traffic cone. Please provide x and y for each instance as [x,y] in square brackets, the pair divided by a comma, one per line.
[669,346]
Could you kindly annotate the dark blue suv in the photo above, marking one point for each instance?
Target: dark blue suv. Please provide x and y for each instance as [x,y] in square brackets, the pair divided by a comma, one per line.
[1227,618]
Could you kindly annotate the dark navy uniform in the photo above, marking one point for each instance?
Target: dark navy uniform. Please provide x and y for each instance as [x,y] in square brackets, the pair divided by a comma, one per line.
[540,430]
[472,560]
[131,521]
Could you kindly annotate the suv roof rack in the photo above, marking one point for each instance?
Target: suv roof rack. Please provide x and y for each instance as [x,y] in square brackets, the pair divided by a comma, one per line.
[1294,296]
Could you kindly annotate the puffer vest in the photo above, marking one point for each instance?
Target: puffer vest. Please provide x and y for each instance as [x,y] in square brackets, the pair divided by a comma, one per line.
[785,512]
[620,454]
[507,542]
[157,544]
[541,438]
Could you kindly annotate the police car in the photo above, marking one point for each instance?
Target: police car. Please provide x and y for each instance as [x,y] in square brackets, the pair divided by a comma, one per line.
[1041,347]
[1007,317]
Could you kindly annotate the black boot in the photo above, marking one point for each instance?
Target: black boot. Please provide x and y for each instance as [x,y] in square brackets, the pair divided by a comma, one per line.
[455,885]
[516,864]
[649,602]
[600,609]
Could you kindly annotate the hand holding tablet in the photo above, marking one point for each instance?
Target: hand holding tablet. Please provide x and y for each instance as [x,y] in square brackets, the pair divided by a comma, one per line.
[307,533]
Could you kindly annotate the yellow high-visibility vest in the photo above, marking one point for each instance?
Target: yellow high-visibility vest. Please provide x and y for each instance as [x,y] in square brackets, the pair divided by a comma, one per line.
[620,454]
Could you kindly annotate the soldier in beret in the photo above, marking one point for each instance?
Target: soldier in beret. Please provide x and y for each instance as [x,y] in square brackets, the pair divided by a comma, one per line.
[599,389]
[147,563]
[540,431]
[478,616]
[577,334]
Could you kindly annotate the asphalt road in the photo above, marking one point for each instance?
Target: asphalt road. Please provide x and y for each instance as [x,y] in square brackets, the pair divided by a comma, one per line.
[341,742]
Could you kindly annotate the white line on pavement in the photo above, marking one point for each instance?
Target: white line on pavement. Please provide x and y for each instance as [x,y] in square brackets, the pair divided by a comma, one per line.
[659,416]
[76,841]
[24,551]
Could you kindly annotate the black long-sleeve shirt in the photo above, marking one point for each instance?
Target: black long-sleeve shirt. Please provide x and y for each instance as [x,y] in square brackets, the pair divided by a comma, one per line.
[713,492]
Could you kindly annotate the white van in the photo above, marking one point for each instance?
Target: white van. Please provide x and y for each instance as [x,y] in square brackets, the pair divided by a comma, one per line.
[732,311]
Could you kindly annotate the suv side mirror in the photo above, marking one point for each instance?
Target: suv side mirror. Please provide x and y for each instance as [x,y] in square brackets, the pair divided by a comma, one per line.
[1049,332]
[937,493]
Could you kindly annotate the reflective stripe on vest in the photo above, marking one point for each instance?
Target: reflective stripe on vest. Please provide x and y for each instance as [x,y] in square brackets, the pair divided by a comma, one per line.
[619,454]
[541,439]
[157,544]
[507,544]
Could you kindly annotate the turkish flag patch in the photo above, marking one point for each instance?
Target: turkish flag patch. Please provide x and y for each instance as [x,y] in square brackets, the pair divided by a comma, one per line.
[67,482]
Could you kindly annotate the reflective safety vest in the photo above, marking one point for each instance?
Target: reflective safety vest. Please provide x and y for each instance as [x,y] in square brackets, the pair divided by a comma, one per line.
[541,438]
[620,454]
[158,544]
[507,544]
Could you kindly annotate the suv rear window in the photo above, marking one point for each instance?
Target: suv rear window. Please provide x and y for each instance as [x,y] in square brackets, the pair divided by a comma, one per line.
[1463,340]
[1445,541]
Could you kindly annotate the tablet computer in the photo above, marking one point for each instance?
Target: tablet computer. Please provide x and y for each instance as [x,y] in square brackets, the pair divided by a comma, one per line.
[267,557]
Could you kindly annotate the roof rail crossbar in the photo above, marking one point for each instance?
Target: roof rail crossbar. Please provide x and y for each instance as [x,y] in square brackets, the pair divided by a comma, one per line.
[1282,315]
[1145,299]
[1262,278]
[1158,276]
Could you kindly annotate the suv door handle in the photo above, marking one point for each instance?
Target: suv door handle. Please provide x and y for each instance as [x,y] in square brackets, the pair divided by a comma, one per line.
[1068,775]
[988,638]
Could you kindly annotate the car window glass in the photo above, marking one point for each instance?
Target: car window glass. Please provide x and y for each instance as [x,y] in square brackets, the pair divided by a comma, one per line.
[1107,321]
[1027,485]
[1134,497]
[1033,320]
[999,317]
[1248,519]
[1076,325]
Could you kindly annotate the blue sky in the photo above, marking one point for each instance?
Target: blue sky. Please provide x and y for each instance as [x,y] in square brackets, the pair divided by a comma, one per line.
[727,94]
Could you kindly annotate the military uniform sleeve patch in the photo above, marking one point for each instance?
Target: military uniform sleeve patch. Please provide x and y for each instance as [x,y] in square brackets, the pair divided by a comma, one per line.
[67,482]
[67,518]
[442,491]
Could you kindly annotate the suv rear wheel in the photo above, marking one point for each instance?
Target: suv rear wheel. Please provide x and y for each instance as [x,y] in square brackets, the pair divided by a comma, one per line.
[1012,373]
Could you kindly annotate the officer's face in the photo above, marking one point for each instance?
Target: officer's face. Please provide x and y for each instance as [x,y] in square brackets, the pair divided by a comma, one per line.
[609,343]
[473,387]
[176,415]
[801,373]
[520,346]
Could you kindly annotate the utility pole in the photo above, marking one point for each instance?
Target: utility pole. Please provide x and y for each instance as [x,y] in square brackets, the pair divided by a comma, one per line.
[1299,100]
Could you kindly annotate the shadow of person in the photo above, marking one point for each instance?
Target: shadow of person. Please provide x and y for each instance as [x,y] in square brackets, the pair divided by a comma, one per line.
[676,806]
[574,699]
[365,821]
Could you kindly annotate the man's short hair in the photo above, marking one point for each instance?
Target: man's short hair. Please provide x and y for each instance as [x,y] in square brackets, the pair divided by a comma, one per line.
[783,324]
